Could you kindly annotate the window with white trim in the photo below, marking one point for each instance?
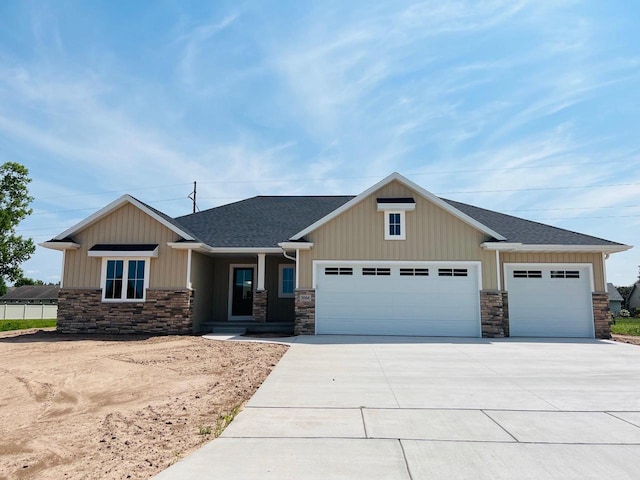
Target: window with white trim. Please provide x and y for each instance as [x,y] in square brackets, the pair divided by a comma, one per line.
[394,225]
[125,279]
[286,281]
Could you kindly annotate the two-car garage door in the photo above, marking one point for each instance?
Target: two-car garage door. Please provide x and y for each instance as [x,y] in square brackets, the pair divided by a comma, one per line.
[398,298]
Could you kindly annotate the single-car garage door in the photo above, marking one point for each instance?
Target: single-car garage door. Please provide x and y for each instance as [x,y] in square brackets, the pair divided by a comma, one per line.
[549,300]
[398,298]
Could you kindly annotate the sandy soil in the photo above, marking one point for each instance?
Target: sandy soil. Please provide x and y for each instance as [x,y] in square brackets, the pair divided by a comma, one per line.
[116,408]
[626,338]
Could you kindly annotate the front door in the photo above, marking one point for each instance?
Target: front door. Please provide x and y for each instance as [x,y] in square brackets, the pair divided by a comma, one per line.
[242,292]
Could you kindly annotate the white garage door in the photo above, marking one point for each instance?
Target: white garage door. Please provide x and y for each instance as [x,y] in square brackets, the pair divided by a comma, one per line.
[549,300]
[397,298]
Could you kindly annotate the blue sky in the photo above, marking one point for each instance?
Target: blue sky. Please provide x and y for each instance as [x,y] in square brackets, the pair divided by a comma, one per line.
[525,107]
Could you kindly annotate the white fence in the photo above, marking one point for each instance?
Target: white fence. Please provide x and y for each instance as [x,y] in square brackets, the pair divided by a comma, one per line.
[28,311]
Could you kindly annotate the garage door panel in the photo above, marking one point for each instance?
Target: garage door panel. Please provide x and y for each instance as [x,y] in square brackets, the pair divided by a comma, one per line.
[549,307]
[398,304]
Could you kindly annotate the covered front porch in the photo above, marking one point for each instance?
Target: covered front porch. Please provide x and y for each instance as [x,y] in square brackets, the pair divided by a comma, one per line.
[237,291]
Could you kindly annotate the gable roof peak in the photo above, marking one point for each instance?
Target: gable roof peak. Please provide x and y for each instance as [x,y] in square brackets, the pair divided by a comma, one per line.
[395,176]
[157,215]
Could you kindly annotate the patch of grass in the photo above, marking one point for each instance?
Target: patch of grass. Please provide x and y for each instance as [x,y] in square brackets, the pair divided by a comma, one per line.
[626,326]
[205,430]
[6,325]
[224,420]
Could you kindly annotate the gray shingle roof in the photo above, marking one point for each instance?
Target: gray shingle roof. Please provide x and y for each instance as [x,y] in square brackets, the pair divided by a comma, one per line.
[614,295]
[519,230]
[32,292]
[264,221]
[261,221]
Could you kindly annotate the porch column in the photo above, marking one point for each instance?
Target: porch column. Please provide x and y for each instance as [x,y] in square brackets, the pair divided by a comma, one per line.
[261,257]
[260,295]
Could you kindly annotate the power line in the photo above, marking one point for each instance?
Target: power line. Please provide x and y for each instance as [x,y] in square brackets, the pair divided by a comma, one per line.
[540,188]
[319,179]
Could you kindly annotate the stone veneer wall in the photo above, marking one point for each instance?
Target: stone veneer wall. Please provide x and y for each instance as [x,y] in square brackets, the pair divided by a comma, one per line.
[305,308]
[164,312]
[494,318]
[505,314]
[260,305]
[601,317]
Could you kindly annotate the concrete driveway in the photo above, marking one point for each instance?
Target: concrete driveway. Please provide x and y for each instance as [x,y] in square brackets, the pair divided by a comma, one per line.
[426,408]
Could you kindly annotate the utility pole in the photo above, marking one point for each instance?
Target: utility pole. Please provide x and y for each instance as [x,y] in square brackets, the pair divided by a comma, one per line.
[192,196]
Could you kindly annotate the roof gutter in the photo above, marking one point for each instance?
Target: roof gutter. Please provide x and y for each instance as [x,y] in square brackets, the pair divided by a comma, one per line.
[60,245]
[203,247]
[523,247]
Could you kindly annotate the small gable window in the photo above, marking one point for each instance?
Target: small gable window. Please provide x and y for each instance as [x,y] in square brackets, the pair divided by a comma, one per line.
[125,280]
[287,283]
[394,210]
[394,226]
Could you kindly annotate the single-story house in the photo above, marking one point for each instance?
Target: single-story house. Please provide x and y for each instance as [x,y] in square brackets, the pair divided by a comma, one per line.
[393,260]
[633,299]
[615,299]
[29,302]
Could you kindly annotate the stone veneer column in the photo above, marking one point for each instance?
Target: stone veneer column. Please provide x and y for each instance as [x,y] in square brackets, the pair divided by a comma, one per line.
[305,309]
[492,314]
[164,312]
[505,314]
[601,316]
[260,305]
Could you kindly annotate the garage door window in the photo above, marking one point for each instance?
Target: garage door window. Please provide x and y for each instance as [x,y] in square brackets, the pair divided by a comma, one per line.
[452,272]
[414,272]
[565,274]
[527,274]
[338,271]
[376,271]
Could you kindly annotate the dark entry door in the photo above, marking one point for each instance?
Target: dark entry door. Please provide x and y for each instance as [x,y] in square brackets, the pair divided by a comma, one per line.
[242,297]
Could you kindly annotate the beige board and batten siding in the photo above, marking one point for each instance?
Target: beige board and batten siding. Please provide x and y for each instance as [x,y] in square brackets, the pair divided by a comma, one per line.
[126,225]
[594,259]
[432,234]
[202,283]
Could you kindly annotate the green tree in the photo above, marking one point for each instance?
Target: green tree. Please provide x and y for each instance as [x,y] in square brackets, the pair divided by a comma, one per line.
[27,281]
[3,287]
[14,207]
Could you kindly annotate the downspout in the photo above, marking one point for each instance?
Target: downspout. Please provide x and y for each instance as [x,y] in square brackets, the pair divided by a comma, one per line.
[498,270]
[295,259]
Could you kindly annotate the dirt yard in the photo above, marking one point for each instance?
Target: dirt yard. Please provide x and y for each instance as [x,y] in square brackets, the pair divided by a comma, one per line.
[117,408]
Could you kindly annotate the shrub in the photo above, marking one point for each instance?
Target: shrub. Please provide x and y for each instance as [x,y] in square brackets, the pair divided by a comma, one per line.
[624,313]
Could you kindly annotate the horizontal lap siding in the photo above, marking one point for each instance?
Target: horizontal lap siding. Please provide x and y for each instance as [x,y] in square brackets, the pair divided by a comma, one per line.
[126,225]
[432,234]
[594,259]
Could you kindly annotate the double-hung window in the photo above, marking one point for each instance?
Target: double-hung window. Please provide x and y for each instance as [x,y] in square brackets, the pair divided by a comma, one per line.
[125,279]
[394,210]
[394,226]
[287,281]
